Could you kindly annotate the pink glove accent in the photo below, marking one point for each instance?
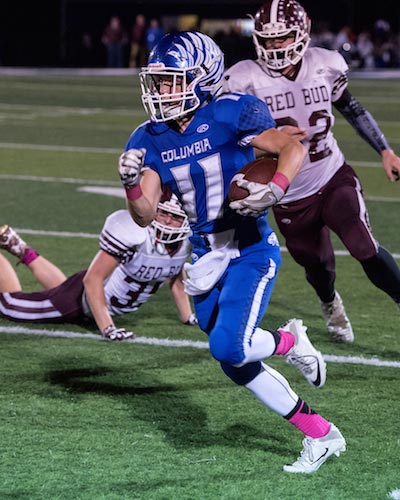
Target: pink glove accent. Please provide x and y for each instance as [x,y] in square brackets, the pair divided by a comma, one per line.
[280,180]
[134,192]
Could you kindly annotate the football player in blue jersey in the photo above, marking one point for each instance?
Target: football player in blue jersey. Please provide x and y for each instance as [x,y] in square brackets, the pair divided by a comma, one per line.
[195,142]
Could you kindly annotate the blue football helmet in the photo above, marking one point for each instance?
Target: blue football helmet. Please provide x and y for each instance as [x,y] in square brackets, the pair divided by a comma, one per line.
[190,65]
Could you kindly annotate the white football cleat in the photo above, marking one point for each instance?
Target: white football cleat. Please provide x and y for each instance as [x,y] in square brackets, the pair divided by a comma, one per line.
[11,241]
[303,354]
[337,322]
[317,451]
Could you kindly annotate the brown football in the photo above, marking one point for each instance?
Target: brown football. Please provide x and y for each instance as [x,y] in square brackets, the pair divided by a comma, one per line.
[261,170]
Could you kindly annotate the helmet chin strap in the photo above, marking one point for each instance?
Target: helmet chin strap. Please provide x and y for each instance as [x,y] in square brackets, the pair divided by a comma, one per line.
[160,247]
[164,248]
[180,124]
[292,70]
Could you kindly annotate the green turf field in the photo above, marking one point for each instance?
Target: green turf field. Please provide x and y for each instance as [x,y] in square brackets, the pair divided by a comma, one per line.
[82,419]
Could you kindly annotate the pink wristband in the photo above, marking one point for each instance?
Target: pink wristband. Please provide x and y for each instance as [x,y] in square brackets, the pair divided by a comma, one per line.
[29,256]
[280,180]
[134,192]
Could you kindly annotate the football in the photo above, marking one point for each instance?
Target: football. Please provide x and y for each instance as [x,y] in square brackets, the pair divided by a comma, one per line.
[260,170]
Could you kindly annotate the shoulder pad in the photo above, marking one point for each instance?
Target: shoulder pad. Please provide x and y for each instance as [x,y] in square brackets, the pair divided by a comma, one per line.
[122,228]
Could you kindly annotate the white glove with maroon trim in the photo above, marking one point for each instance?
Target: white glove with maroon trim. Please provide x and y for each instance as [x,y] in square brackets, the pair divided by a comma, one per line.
[261,197]
[192,321]
[130,166]
[113,333]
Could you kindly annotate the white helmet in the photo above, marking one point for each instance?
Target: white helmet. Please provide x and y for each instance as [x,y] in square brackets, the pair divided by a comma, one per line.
[279,19]
[170,234]
[188,58]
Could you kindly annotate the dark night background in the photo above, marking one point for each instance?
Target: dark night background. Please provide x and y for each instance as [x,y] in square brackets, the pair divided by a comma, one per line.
[46,33]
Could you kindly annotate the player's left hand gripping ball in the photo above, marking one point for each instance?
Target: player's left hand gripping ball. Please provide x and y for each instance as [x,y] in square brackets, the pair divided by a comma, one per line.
[261,196]
[130,165]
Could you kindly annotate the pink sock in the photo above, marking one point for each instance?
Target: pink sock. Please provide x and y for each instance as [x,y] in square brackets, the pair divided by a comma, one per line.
[310,423]
[29,256]
[286,342]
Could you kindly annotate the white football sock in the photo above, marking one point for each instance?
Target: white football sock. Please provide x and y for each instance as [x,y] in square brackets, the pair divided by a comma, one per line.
[261,345]
[273,390]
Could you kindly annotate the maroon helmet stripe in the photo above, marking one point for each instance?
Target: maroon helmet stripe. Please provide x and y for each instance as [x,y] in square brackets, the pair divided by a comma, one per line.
[274,11]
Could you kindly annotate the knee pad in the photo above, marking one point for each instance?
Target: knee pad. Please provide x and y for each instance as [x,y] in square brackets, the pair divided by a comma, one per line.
[223,349]
[244,374]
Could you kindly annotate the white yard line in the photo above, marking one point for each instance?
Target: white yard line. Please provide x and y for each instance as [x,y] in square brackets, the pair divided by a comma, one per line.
[62,180]
[113,191]
[50,147]
[67,234]
[385,199]
[355,360]
[62,234]
[68,180]
[65,110]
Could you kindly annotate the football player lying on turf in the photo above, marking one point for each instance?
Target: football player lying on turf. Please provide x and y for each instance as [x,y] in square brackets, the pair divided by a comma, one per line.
[131,265]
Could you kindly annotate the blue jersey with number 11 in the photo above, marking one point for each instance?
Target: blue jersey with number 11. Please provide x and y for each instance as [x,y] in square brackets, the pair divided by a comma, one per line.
[199,163]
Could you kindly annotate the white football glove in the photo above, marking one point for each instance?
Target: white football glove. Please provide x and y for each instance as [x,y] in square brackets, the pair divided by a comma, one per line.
[192,321]
[130,165]
[113,333]
[261,196]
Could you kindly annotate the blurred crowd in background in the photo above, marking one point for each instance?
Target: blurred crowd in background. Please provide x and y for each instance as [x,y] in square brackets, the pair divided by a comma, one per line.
[123,37]
[369,49]
[128,46]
